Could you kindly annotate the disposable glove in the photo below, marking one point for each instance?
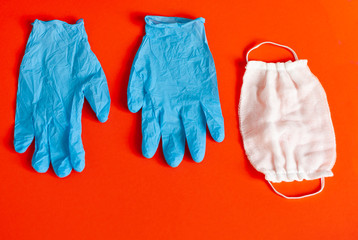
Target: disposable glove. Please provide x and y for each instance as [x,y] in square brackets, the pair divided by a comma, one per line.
[57,71]
[173,80]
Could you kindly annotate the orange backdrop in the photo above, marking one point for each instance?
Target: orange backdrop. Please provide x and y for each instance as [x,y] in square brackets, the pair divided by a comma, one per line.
[121,194]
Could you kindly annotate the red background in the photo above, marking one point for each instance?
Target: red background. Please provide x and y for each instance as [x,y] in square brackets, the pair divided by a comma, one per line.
[121,194]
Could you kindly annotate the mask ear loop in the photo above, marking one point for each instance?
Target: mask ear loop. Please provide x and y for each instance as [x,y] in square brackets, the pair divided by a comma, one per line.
[276,44]
[299,197]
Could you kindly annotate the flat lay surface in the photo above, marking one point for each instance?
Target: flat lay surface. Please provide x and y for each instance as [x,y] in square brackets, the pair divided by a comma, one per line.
[122,195]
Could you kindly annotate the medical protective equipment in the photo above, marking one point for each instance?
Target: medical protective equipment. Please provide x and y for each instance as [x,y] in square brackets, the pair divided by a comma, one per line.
[285,122]
[173,80]
[57,71]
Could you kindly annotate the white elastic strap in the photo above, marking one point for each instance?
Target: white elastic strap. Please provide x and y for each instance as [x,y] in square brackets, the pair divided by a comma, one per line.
[308,195]
[280,45]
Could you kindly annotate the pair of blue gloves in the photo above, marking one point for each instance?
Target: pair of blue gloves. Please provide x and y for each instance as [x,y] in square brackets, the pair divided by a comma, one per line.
[173,80]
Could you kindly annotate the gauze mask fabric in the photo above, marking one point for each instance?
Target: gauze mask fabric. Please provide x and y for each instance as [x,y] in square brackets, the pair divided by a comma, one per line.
[285,122]
[57,71]
[173,80]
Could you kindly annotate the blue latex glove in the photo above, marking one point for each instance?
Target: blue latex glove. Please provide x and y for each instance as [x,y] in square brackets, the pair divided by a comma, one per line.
[173,80]
[57,71]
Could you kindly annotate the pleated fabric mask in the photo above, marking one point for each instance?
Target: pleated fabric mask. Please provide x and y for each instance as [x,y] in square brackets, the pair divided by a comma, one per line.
[285,122]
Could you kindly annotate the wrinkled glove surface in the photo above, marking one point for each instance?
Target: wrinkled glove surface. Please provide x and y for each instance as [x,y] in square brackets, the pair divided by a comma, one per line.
[57,71]
[173,80]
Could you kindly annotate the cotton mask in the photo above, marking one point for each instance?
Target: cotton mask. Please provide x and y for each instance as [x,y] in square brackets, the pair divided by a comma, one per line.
[285,122]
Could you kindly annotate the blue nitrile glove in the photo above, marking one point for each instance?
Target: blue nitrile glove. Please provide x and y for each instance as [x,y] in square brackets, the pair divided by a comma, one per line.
[173,80]
[57,71]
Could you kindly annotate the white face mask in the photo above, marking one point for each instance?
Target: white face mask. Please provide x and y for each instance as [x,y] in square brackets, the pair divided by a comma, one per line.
[285,122]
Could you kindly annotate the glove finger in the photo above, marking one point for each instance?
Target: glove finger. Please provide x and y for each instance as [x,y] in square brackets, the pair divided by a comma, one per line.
[150,129]
[77,153]
[59,154]
[173,139]
[24,130]
[96,92]
[89,72]
[97,95]
[135,91]
[195,130]
[214,120]
[41,157]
